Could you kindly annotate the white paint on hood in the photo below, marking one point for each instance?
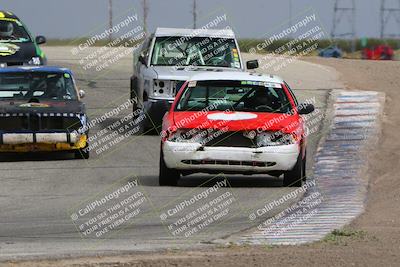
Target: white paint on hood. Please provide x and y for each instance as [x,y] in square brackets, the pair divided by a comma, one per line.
[235,116]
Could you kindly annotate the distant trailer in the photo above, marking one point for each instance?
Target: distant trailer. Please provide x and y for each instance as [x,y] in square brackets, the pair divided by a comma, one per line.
[380,52]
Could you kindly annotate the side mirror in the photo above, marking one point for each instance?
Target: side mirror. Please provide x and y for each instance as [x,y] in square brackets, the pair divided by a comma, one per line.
[82,93]
[304,109]
[40,40]
[142,58]
[252,64]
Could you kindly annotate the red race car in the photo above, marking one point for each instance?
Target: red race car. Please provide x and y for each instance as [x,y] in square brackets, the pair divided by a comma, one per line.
[238,123]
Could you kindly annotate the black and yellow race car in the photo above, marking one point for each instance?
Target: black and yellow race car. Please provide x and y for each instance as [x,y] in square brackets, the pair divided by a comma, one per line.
[17,46]
[41,110]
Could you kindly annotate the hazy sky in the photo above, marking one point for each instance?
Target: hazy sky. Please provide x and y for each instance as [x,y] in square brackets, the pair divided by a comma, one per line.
[249,18]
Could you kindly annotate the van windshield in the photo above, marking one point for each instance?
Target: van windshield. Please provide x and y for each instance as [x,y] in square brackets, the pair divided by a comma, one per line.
[195,51]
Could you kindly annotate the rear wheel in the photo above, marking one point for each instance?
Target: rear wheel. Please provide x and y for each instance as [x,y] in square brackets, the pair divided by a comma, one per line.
[293,177]
[167,176]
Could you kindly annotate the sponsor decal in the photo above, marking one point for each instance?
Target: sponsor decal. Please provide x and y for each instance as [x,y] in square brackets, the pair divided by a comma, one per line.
[192,83]
[236,59]
[8,49]
[34,105]
[265,84]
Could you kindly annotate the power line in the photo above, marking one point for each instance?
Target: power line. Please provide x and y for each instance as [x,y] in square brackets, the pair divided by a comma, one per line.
[290,14]
[389,14]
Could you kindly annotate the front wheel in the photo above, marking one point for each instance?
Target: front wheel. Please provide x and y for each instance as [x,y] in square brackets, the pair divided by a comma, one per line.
[167,176]
[82,153]
[294,177]
[134,86]
[139,120]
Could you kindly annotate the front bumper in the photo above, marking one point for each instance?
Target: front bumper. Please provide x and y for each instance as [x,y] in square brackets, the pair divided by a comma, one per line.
[34,142]
[195,157]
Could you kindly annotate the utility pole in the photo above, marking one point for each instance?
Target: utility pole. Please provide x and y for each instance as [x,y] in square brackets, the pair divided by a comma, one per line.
[194,14]
[290,15]
[110,18]
[386,14]
[348,11]
[145,14]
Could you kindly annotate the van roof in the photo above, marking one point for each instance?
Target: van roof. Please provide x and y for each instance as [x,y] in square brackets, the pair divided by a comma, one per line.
[221,33]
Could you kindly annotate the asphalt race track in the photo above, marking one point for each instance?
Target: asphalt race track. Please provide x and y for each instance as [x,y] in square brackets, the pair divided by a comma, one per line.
[38,193]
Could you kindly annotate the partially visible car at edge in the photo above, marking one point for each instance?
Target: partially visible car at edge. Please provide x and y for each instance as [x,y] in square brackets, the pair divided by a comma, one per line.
[41,111]
[17,45]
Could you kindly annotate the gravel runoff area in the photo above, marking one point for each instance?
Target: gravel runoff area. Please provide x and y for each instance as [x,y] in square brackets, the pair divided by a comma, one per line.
[373,239]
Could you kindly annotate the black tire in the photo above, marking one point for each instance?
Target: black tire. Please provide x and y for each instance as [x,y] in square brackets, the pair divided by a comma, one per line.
[83,153]
[133,86]
[304,173]
[154,119]
[167,176]
[293,177]
[139,121]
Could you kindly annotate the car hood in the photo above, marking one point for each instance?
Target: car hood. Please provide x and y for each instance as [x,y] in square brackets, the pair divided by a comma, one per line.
[12,107]
[17,52]
[237,121]
[184,73]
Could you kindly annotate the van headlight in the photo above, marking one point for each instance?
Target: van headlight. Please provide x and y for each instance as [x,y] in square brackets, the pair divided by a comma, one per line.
[162,88]
[275,139]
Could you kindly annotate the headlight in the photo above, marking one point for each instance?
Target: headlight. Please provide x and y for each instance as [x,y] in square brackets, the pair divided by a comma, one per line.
[188,136]
[275,139]
[162,88]
[35,61]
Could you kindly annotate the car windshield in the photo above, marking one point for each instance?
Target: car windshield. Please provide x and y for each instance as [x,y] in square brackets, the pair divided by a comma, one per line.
[12,30]
[234,96]
[37,85]
[196,51]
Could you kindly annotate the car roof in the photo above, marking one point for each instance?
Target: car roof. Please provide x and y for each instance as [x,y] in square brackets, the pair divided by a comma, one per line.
[236,76]
[7,15]
[35,69]
[222,33]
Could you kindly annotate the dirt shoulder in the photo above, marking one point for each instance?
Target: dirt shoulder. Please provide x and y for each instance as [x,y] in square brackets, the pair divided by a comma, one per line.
[373,239]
